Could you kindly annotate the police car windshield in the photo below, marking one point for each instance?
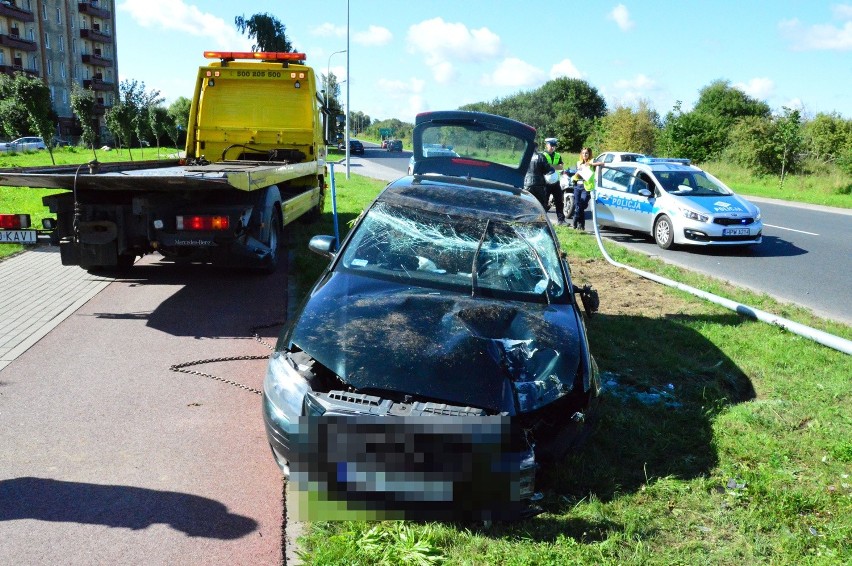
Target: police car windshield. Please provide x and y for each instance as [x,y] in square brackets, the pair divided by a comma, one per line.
[691,183]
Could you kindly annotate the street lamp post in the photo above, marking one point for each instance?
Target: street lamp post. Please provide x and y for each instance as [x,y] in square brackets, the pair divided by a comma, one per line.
[328,88]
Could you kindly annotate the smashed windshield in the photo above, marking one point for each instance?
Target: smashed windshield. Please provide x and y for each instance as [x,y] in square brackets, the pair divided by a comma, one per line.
[482,257]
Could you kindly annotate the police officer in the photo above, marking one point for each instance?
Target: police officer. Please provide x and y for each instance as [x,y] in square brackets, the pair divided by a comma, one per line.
[554,189]
[584,184]
[534,179]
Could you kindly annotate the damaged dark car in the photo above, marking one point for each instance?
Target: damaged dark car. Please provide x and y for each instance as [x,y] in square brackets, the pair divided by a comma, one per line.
[442,356]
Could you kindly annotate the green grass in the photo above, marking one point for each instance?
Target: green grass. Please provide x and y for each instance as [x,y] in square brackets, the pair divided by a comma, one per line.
[825,185]
[751,466]
[23,200]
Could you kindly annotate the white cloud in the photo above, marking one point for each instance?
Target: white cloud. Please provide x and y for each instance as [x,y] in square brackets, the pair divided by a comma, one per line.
[795,104]
[329,30]
[444,72]
[416,105]
[374,36]
[565,68]
[629,92]
[339,72]
[760,88]
[842,11]
[822,37]
[639,82]
[176,15]
[398,87]
[442,42]
[514,72]
[621,16]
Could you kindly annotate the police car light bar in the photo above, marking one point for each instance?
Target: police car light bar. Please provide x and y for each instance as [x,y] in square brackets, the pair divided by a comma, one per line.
[650,160]
[256,55]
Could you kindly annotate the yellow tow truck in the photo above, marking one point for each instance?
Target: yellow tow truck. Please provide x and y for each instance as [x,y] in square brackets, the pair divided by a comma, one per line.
[255,161]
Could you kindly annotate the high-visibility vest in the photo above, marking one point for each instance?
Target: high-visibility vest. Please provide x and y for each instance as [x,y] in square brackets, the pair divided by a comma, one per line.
[554,159]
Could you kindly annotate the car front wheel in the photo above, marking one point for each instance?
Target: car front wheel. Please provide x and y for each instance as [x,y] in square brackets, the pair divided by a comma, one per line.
[664,232]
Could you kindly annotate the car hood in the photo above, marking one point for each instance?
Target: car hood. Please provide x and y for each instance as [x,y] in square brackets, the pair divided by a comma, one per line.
[502,356]
[731,205]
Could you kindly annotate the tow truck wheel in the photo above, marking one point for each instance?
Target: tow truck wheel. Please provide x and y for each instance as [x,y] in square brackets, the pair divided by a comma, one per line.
[274,243]
[315,213]
[125,262]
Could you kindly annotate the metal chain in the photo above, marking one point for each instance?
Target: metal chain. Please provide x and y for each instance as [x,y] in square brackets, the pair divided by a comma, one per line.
[180,368]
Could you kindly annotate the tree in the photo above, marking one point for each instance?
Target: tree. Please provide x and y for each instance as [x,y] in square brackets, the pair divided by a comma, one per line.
[179,118]
[826,136]
[119,121]
[695,135]
[267,31]
[728,104]
[130,115]
[767,145]
[720,106]
[158,119]
[335,108]
[179,111]
[751,145]
[788,139]
[83,106]
[624,129]
[562,108]
[14,120]
[34,95]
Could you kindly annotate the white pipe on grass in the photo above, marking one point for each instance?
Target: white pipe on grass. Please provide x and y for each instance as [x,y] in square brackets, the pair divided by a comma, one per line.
[819,336]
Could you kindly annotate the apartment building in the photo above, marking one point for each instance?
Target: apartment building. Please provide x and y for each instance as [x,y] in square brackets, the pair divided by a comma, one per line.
[63,42]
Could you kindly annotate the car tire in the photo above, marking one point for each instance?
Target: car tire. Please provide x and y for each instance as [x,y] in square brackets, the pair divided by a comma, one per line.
[568,210]
[270,264]
[664,232]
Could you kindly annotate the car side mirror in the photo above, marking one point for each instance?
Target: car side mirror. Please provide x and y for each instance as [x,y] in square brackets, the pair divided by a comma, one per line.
[646,193]
[323,245]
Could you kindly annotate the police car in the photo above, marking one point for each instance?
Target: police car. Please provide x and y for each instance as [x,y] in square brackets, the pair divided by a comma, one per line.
[676,203]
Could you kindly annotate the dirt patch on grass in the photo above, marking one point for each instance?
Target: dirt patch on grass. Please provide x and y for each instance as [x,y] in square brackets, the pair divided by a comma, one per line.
[624,293]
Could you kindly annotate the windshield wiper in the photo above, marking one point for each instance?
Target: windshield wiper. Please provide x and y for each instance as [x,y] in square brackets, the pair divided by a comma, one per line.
[475,266]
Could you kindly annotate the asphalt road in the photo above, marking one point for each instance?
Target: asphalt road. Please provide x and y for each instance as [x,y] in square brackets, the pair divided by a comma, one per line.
[107,457]
[805,257]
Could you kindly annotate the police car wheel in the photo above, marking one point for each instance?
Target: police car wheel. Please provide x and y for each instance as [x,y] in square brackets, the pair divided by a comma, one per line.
[664,232]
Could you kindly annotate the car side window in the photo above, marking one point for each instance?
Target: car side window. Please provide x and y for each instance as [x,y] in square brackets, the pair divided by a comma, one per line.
[638,184]
[615,180]
[643,181]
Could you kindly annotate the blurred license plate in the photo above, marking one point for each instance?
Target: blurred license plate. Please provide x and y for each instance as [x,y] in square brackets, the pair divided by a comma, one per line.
[17,236]
[735,232]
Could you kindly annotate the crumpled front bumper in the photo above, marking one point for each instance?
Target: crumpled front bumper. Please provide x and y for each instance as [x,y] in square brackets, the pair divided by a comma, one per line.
[437,467]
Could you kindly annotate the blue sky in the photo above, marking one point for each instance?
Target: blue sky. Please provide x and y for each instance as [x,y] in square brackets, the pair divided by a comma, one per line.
[436,54]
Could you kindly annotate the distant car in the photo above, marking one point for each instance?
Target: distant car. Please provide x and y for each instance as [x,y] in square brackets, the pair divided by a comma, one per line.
[385,144]
[394,145]
[356,146]
[30,143]
[676,203]
[618,157]
[431,152]
[57,142]
[442,356]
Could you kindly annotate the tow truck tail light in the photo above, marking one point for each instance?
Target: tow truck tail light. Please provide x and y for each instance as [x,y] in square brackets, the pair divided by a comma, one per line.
[14,221]
[202,223]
